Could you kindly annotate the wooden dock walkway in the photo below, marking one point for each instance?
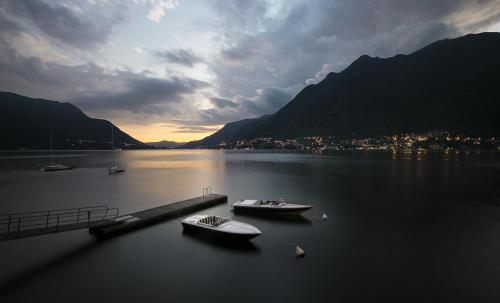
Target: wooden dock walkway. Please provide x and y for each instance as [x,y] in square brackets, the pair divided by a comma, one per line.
[150,216]
[100,220]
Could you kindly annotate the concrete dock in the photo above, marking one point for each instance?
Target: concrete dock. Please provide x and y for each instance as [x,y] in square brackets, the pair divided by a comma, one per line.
[142,218]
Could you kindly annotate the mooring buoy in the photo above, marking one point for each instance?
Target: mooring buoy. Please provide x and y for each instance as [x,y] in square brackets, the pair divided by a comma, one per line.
[299,252]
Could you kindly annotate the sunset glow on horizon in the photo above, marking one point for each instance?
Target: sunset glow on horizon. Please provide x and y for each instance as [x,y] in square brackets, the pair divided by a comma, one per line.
[161,132]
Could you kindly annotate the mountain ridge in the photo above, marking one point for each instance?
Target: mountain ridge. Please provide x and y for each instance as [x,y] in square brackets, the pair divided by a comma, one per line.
[230,132]
[165,144]
[26,123]
[448,84]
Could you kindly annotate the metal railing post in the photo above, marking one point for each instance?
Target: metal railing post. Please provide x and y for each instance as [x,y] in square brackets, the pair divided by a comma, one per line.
[57,224]
[34,221]
[18,226]
[8,224]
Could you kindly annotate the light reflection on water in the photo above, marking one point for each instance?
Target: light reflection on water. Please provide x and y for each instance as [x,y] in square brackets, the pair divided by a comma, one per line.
[402,226]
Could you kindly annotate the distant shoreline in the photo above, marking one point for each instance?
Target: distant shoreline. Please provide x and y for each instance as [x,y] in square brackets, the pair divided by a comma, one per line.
[260,150]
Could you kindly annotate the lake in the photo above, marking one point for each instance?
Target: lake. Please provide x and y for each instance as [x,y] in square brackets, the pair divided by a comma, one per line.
[403,226]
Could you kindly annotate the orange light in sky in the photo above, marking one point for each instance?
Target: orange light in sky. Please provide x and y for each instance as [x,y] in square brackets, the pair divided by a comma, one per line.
[159,132]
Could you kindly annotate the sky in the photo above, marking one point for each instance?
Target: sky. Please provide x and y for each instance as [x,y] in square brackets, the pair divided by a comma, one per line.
[180,69]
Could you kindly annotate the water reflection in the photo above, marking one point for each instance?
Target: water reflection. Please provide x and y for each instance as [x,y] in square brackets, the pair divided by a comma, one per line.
[276,218]
[391,215]
[221,242]
[11,283]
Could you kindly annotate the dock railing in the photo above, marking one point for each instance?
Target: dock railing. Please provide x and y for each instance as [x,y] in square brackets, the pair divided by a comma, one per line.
[207,191]
[56,219]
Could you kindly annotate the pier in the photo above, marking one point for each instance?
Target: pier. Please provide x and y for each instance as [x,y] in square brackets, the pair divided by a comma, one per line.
[153,215]
[101,221]
[29,224]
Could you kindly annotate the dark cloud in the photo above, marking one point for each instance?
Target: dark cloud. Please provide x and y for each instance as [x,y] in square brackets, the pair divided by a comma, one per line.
[7,25]
[141,95]
[267,100]
[93,87]
[196,129]
[223,103]
[178,56]
[358,19]
[237,14]
[243,50]
[61,22]
[214,116]
[410,38]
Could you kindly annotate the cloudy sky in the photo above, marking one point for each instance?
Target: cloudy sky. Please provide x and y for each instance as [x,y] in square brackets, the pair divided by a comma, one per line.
[180,69]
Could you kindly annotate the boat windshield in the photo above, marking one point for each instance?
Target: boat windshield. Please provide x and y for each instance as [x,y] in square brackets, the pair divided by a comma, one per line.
[214,220]
[273,202]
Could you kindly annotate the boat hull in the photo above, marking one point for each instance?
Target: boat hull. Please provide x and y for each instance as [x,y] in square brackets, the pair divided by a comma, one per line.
[283,210]
[209,232]
[112,172]
[115,169]
[56,168]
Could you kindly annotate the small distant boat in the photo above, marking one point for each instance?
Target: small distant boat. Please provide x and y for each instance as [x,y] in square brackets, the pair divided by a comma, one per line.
[56,167]
[221,226]
[271,206]
[115,169]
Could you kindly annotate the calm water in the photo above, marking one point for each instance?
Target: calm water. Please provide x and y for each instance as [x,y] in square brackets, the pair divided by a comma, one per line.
[402,227]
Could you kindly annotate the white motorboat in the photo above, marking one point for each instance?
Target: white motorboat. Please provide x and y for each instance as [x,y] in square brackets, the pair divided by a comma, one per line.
[271,206]
[116,169]
[221,226]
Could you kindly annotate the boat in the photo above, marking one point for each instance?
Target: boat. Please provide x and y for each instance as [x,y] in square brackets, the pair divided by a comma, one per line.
[221,226]
[115,169]
[55,166]
[271,206]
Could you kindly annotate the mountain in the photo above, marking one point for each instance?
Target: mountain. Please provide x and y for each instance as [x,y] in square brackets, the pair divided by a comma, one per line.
[230,132]
[451,84]
[165,144]
[26,123]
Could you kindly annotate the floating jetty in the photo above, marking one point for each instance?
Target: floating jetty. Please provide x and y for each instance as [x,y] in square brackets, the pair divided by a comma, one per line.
[153,215]
[29,224]
[101,221]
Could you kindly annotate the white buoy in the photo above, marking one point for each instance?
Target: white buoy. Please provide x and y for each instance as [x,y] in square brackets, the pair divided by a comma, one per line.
[324,217]
[299,252]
